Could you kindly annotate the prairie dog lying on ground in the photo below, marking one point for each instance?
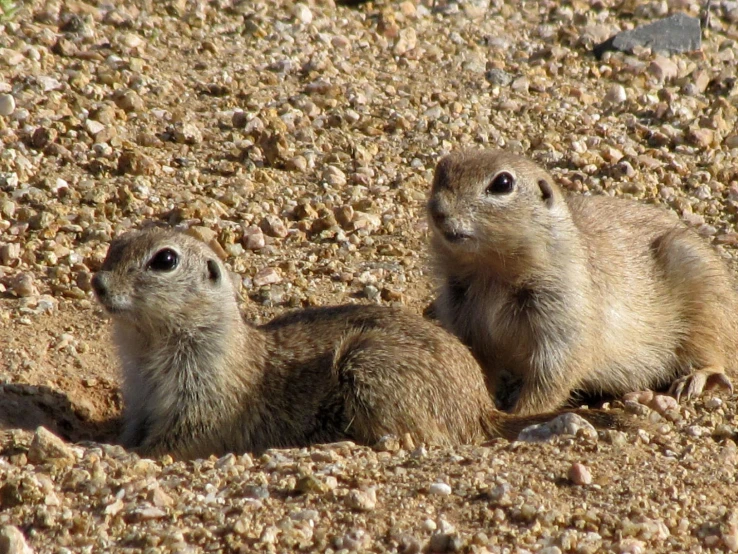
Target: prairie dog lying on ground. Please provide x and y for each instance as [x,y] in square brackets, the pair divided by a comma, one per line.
[573,293]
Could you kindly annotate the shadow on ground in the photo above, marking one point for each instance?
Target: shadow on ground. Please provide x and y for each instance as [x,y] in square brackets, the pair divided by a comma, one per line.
[28,406]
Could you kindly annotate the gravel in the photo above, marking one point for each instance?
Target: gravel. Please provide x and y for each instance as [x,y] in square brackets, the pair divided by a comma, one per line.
[299,139]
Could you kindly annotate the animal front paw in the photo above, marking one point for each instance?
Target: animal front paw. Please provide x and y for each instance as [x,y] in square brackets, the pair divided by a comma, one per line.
[692,385]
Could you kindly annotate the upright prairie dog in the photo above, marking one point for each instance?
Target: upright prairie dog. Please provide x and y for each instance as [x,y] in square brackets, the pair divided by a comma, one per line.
[198,380]
[571,293]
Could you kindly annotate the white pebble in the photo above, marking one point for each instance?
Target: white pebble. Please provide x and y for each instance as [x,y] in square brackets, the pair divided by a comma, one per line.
[631,546]
[48,83]
[429,525]
[334,176]
[571,424]
[441,489]
[697,431]
[419,452]
[7,104]
[303,13]
[93,127]
[713,403]
[565,424]
[362,500]
[269,535]
[616,94]
[445,527]
[12,541]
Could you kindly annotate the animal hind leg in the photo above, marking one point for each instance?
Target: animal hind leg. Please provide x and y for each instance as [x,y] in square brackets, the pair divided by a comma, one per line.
[706,297]
[375,391]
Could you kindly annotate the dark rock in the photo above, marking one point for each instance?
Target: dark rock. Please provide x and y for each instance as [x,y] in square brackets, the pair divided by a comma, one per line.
[674,34]
[498,77]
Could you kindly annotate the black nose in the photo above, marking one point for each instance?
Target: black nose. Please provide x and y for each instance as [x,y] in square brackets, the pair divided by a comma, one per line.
[98,285]
[438,215]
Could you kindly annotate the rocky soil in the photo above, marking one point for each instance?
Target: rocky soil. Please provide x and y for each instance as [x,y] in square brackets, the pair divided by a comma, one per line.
[299,139]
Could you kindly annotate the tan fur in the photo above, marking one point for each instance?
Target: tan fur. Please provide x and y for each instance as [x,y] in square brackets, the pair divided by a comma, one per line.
[572,293]
[198,380]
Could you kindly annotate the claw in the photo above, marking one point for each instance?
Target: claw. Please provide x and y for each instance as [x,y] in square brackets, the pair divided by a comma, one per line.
[692,385]
[677,387]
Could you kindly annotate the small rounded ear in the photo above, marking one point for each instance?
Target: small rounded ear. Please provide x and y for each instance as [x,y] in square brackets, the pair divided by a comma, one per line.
[213,271]
[441,177]
[547,193]
[236,282]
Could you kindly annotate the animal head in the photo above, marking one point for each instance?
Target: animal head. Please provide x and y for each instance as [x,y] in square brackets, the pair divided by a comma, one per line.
[163,278]
[486,203]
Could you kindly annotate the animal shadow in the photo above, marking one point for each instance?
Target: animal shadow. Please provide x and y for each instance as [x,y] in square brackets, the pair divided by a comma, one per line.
[29,406]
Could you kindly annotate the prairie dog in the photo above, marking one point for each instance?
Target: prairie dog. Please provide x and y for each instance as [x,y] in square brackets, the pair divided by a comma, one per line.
[198,380]
[571,293]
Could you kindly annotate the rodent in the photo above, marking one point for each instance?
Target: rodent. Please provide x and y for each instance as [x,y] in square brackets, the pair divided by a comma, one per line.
[569,293]
[199,380]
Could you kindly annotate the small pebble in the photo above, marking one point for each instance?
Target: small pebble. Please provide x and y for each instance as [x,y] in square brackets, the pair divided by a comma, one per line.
[356,540]
[499,77]
[334,176]
[631,546]
[731,141]
[9,253]
[697,431]
[662,403]
[616,94]
[713,403]
[23,285]
[663,68]
[429,525]
[10,57]
[46,446]
[7,104]
[442,542]
[441,489]
[362,500]
[253,238]
[269,534]
[94,127]
[408,544]
[579,474]
[12,541]
[267,276]
[564,424]
[303,14]
[273,226]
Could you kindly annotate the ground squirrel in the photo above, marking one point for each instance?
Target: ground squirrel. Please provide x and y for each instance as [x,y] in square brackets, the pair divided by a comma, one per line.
[198,380]
[572,293]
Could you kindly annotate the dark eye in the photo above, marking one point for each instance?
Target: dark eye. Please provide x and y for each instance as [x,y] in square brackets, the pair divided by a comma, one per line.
[164,260]
[503,183]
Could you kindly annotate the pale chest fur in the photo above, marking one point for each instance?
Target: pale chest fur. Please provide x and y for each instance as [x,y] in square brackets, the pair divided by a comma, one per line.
[517,330]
